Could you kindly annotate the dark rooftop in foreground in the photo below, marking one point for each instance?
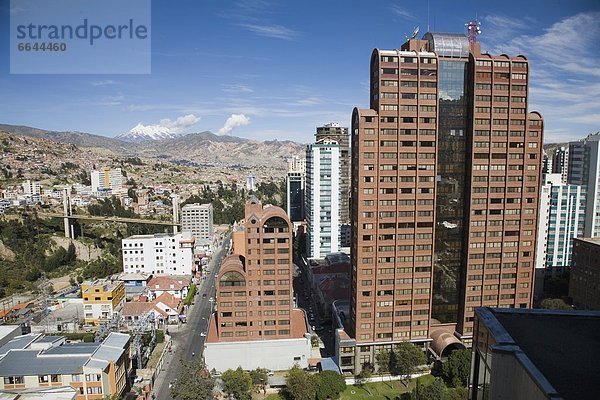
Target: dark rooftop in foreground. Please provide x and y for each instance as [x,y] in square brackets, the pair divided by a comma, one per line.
[563,345]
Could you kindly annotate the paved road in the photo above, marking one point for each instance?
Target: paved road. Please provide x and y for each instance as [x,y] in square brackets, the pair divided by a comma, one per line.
[187,339]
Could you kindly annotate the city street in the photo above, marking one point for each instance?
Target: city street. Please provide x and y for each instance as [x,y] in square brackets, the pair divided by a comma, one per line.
[187,339]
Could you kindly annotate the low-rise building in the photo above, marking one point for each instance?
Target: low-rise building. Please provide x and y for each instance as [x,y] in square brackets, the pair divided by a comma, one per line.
[102,300]
[177,286]
[94,370]
[165,309]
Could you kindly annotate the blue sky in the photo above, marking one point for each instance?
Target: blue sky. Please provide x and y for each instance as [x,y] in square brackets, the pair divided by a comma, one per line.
[268,69]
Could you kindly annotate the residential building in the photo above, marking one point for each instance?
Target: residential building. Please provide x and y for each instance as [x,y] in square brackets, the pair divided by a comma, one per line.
[524,354]
[584,169]
[164,309]
[445,187]
[584,282]
[31,187]
[547,164]
[560,163]
[94,370]
[333,132]
[177,286]
[135,284]
[107,178]
[295,186]
[102,300]
[322,198]
[255,324]
[197,219]
[159,254]
[566,218]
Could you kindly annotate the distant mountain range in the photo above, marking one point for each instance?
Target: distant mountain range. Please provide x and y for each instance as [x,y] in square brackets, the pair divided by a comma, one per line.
[203,148]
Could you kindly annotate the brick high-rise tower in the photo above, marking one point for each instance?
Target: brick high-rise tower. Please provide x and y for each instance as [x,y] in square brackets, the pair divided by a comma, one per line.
[446,168]
[255,323]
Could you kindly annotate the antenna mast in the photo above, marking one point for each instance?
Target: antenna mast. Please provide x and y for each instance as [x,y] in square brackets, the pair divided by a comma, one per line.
[473,30]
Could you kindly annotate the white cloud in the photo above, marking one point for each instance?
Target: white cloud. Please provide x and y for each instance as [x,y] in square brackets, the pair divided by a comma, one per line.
[401,12]
[105,82]
[565,77]
[237,88]
[167,125]
[272,31]
[233,121]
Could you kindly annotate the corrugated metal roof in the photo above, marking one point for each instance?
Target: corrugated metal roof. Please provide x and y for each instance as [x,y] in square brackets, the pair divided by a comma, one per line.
[28,362]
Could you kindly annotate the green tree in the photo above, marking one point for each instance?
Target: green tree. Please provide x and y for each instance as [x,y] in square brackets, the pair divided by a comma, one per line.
[72,281]
[194,381]
[237,383]
[329,385]
[555,304]
[71,254]
[434,391]
[407,358]
[260,377]
[299,385]
[459,393]
[363,377]
[457,368]
[382,359]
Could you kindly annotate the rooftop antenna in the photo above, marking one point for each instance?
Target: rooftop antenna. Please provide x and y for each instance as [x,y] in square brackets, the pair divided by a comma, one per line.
[473,30]
[428,16]
[415,32]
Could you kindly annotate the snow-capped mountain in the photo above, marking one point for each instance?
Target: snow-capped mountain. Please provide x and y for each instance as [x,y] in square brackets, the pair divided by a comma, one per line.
[141,133]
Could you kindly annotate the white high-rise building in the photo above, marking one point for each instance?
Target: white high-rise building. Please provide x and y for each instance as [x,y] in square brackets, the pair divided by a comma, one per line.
[322,198]
[107,178]
[159,254]
[197,219]
[562,214]
[584,169]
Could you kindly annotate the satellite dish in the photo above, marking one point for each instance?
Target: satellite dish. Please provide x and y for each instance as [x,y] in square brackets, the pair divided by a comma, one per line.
[415,32]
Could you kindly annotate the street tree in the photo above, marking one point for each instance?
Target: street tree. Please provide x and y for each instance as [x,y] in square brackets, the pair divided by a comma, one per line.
[407,357]
[457,368]
[382,359]
[299,384]
[329,385]
[363,377]
[555,304]
[260,377]
[194,381]
[434,391]
[237,383]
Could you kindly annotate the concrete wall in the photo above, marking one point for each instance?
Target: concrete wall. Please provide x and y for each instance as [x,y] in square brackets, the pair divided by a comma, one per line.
[275,355]
[507,369]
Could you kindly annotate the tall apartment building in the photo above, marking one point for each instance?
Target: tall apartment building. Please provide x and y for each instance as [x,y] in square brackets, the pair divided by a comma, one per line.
[159,254]
[562,221]
[197,219]
[445,185]
[102,300]
[333,132]
[295,186]
[584,169]
[560,163]
[323,198]
[107,178]
[256,324]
